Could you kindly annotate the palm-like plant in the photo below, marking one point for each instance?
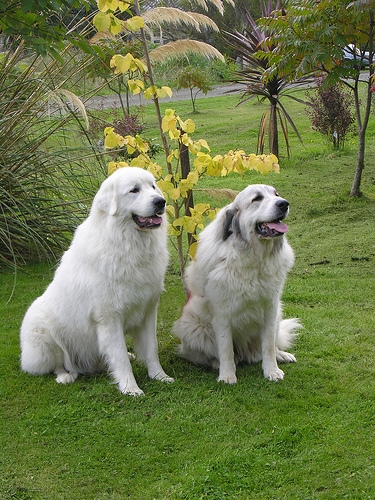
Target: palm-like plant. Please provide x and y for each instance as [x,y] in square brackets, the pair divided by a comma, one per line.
[251,49]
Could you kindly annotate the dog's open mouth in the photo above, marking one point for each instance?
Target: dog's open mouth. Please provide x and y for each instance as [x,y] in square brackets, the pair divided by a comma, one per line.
[271,229]
[148,222]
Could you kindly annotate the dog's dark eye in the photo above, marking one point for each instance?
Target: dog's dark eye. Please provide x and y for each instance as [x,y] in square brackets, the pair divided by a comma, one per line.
[276,193]
[153,187]
[135,190]
[258,198]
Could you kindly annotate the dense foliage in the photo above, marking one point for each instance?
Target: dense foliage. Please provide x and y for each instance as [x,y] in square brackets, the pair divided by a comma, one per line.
[331,112]
[309,36]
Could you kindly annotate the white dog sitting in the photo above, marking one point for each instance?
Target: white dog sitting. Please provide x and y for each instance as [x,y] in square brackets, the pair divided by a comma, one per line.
[233,314]
[108,285]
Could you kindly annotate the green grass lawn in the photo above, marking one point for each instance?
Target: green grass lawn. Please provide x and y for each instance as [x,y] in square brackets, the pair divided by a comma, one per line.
[310,436]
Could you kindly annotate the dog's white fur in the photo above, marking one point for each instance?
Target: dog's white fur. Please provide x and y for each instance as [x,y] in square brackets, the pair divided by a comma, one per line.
[107,286]
[235,283]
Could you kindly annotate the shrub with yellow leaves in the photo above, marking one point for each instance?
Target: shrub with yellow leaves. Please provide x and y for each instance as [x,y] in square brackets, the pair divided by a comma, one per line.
[177,180]
[177,188]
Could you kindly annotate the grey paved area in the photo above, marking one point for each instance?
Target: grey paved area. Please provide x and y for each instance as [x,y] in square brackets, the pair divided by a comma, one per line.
[104,102]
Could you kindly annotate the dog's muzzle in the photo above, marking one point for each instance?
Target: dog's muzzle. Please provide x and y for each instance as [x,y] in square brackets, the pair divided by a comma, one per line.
[276,227]
[152,221]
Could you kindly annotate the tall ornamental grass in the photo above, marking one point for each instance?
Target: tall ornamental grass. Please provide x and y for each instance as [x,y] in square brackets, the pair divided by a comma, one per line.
[45,179]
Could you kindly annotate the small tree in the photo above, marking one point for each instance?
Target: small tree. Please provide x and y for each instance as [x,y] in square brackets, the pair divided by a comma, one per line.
[194,79]
[252,76]
[312,36]
[331,112]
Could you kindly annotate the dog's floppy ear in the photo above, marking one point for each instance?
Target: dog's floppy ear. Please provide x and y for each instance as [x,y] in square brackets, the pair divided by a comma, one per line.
[227,229]
[231,224]
[106,198]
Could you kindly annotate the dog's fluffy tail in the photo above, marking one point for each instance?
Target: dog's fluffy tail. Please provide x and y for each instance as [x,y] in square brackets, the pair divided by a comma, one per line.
[288,332]
[197,336]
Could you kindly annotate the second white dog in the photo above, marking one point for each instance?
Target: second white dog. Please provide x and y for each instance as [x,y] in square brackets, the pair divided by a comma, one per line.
[107,286]
[233,314]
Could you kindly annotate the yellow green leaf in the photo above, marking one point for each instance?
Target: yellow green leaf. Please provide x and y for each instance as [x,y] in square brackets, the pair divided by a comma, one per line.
[111,139]
[178,222]
[169,189]
[193,177]
[140,65]
[104,5]
[135,86]
[122,64]
[116,25]
[140,161]
[193,250]
[155,169]
[150,92]
[185,186]
[172,231]
[135,23]
[204,144]
[114,165]
[123,5]
[141,145]
[102,21]
[163,92]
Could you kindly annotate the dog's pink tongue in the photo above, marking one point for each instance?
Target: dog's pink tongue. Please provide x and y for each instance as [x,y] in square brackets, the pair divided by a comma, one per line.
[280,227]
[154,219]
[157,220]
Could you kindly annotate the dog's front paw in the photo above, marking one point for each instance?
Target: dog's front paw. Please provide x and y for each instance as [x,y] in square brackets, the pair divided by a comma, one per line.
[274,374]
[228,378]
[64,377]
[132,391]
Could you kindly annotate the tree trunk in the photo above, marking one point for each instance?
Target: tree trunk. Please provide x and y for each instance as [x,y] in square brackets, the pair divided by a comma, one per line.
[185,169]
[362,124]
[356,186]
[273,131]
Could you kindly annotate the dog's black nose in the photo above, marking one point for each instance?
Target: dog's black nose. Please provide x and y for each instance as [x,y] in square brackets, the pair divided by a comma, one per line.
[283,205]
[159,203]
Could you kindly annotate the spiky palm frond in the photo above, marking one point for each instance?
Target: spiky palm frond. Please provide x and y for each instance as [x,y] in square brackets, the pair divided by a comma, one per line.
[249,46]
[184,48]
